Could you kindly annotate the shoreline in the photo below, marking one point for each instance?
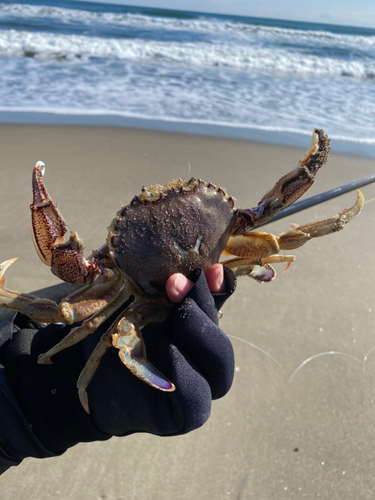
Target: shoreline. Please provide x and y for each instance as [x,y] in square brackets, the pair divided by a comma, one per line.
[279,138]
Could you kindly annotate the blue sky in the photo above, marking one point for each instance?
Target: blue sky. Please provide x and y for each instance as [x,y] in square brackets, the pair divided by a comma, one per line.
[349,12]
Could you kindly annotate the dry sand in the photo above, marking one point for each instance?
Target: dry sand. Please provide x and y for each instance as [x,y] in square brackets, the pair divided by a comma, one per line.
[311,437]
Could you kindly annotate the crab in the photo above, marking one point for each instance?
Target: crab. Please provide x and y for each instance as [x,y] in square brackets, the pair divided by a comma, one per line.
[175,227]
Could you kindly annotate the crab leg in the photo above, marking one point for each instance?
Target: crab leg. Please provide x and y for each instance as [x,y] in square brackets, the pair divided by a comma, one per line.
[89,325]
[41,310]
[322,228]
[300,234]
[290,187]
[256,251]
[89,370]
[125,335]
[48,229]
[76,307]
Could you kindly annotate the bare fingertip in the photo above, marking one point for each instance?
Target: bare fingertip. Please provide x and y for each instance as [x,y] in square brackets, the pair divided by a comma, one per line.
[177,287]
[215,278]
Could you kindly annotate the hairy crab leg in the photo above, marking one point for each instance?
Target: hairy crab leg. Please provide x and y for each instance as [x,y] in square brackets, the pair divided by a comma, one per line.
[256,251]
[289,188]
[125,335]
[90,325]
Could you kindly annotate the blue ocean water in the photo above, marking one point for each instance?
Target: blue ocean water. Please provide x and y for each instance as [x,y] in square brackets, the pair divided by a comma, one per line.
[82,58]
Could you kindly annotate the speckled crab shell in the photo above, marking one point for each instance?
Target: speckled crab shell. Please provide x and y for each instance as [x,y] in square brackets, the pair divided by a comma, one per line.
[175,227]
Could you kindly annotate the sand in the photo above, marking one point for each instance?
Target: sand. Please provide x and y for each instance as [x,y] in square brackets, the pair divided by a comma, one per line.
[274,435]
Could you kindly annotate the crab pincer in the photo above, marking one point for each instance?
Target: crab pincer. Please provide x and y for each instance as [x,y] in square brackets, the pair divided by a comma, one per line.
[48,229]
[291,186]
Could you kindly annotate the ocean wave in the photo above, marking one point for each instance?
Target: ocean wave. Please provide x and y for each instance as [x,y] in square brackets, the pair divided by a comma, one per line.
[199,24]
[265,102]
[74,47]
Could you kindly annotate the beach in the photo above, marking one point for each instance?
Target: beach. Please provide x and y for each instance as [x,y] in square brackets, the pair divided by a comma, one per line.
[299,421]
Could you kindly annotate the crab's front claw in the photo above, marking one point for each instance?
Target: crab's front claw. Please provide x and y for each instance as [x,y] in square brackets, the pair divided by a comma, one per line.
[132,353]
[290,187]
[47,224]
[48,227]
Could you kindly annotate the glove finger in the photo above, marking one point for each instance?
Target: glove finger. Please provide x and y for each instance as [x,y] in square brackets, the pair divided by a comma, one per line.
[191,400]
[201,295]
[230,287]
[206,345]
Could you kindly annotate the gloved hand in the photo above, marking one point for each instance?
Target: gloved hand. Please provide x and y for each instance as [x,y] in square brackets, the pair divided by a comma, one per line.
[188,348]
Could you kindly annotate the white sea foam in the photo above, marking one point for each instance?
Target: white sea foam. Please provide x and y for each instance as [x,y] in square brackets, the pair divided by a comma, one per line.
[49,45]
[200,24]
[132,92]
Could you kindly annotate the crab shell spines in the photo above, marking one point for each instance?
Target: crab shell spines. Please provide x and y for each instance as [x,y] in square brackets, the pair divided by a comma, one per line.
[172,228]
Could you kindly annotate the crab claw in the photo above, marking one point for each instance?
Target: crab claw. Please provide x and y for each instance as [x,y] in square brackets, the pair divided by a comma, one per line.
[291,186]
[47,224]
[132,353]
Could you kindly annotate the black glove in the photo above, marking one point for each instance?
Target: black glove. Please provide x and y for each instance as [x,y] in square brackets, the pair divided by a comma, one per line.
[188,348]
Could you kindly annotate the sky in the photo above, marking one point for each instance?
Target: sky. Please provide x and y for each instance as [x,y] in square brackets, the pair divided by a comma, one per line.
[347,12]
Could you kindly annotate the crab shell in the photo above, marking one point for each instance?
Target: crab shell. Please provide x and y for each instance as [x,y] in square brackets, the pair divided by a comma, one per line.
[172,228]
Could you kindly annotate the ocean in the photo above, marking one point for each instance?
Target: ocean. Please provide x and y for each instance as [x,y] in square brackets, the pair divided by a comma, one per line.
[129,65]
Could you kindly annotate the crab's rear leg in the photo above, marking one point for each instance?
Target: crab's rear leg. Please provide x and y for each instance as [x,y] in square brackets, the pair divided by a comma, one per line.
[256,251]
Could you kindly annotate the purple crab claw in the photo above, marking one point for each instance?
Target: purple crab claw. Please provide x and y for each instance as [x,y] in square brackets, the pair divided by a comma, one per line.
[132,353]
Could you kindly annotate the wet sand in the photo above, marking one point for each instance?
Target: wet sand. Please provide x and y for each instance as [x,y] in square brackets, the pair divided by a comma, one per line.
[275,435]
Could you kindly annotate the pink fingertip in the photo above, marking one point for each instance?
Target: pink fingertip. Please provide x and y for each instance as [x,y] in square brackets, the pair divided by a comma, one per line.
[215,278]
[177,286]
